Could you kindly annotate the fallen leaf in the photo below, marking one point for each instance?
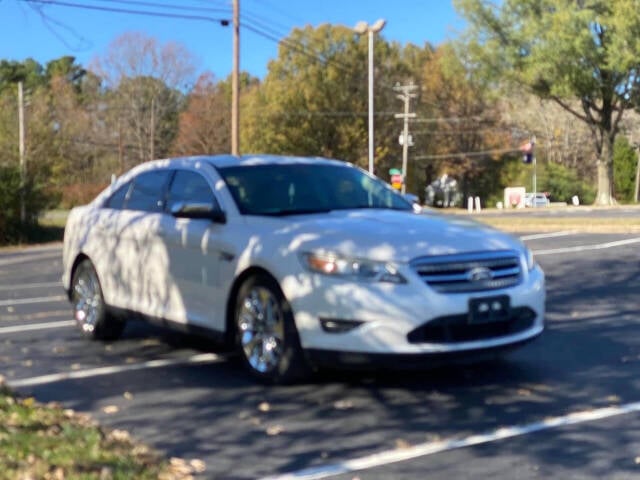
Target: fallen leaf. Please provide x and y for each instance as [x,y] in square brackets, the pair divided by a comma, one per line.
[343,404]
[264,407]
[75,366]
[255,421]
[130,360]
[27,363]
[523,392]
[274,430]
[59,349]
[243,415]
[198,465]
[28,402]
[119,435]
[128,395]
[110,409]
[637,460]
[613,399]
[402,444]
[10,309]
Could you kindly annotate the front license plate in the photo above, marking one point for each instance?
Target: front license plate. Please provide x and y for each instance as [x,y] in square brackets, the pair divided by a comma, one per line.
[489,309]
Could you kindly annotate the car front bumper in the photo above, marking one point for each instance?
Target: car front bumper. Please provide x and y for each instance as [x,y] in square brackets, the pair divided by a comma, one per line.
[384,315]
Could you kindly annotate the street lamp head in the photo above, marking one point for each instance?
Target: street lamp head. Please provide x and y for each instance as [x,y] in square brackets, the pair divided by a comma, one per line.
[361,28]
[379,25]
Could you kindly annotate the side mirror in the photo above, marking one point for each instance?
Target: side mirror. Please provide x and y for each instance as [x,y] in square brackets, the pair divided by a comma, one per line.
[201,210]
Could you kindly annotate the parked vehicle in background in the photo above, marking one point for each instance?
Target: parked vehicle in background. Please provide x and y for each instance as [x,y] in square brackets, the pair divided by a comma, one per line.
[298,263]
[533,200]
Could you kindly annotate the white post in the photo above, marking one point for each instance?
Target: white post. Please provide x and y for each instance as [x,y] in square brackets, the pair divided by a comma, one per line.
[470,204]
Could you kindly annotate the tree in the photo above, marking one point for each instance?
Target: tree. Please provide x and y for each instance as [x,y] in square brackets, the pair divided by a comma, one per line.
[584,56]
[313,100]
[145,80]
[624,166]
[205,125]
[466,119]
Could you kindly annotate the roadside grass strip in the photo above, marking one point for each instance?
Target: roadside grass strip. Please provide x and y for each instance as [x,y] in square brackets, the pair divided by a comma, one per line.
[102,371]
[431,448]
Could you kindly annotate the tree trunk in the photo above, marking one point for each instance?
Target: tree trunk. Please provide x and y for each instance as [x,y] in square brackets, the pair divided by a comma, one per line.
[605,173]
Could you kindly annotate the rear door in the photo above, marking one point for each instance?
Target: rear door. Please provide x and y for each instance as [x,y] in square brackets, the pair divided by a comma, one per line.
[140,260]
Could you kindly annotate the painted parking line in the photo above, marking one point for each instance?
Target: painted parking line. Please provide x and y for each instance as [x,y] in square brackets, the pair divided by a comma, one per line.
[538,236]
[430,448]
[28,258]
[28,286]
[585,248]
[101,371]
[29,301]
[36,326]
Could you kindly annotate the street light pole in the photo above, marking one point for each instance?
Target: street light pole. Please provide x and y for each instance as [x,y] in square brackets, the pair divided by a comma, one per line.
[361,28]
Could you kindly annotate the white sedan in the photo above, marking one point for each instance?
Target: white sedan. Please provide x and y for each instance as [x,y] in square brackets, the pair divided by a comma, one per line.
[299,263]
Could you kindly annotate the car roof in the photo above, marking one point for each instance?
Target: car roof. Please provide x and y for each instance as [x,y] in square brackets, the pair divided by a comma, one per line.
[221,161]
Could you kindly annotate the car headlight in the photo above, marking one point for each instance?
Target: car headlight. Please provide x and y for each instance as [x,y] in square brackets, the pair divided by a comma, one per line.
[358,269]
[531,262]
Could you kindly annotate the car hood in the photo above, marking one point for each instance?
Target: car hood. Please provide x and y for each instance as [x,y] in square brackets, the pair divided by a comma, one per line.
[385,235]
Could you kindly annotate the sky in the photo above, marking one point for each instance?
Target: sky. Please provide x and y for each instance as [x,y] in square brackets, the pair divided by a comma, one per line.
[48,29]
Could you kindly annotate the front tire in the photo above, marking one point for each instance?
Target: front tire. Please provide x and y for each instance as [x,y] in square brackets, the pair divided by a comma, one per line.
[266,335]
[89,309]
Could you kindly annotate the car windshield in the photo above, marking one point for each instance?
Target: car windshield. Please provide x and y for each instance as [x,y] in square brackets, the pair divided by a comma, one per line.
[292,189]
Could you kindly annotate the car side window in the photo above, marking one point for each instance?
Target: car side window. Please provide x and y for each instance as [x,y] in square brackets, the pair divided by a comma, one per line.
[188,186]
[148,191]
[117,199]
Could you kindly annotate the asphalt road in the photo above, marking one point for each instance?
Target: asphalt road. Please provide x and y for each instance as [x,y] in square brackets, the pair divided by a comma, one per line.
[565,406]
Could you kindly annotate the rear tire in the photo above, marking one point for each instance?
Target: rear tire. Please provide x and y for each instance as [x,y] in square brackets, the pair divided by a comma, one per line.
[89,309]
[266,334]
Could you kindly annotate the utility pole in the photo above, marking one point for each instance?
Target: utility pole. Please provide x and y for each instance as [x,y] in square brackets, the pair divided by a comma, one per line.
[406,94]
[23,163]
[235,81]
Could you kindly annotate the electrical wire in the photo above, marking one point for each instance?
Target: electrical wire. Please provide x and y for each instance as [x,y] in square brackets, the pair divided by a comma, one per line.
[222,21]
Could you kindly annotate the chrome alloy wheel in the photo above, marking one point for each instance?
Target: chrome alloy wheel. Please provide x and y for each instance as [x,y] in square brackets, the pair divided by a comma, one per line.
[87,299]
[260,323]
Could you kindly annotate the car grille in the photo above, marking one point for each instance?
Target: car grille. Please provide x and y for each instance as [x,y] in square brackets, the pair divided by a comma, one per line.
[456,328]
[471,272]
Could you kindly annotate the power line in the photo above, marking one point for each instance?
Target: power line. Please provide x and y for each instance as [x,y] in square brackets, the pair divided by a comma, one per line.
[222,21]
[169,6]
[466,154]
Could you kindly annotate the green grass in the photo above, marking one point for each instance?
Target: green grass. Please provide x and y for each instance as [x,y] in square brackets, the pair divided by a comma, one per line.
[46,441]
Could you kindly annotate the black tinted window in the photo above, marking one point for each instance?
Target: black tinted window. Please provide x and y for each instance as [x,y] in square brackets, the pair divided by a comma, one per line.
[148,191]
[190,187]
[307,188]
[117,199]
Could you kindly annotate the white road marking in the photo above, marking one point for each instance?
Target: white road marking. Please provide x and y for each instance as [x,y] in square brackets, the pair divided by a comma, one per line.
[29,258]
[100,371]
[36,326]
[537,236]
[26,286]
[29,301]
[585,248]
[430,448]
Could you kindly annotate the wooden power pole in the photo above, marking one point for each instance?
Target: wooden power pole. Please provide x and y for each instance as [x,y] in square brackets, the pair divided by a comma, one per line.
[235,82]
